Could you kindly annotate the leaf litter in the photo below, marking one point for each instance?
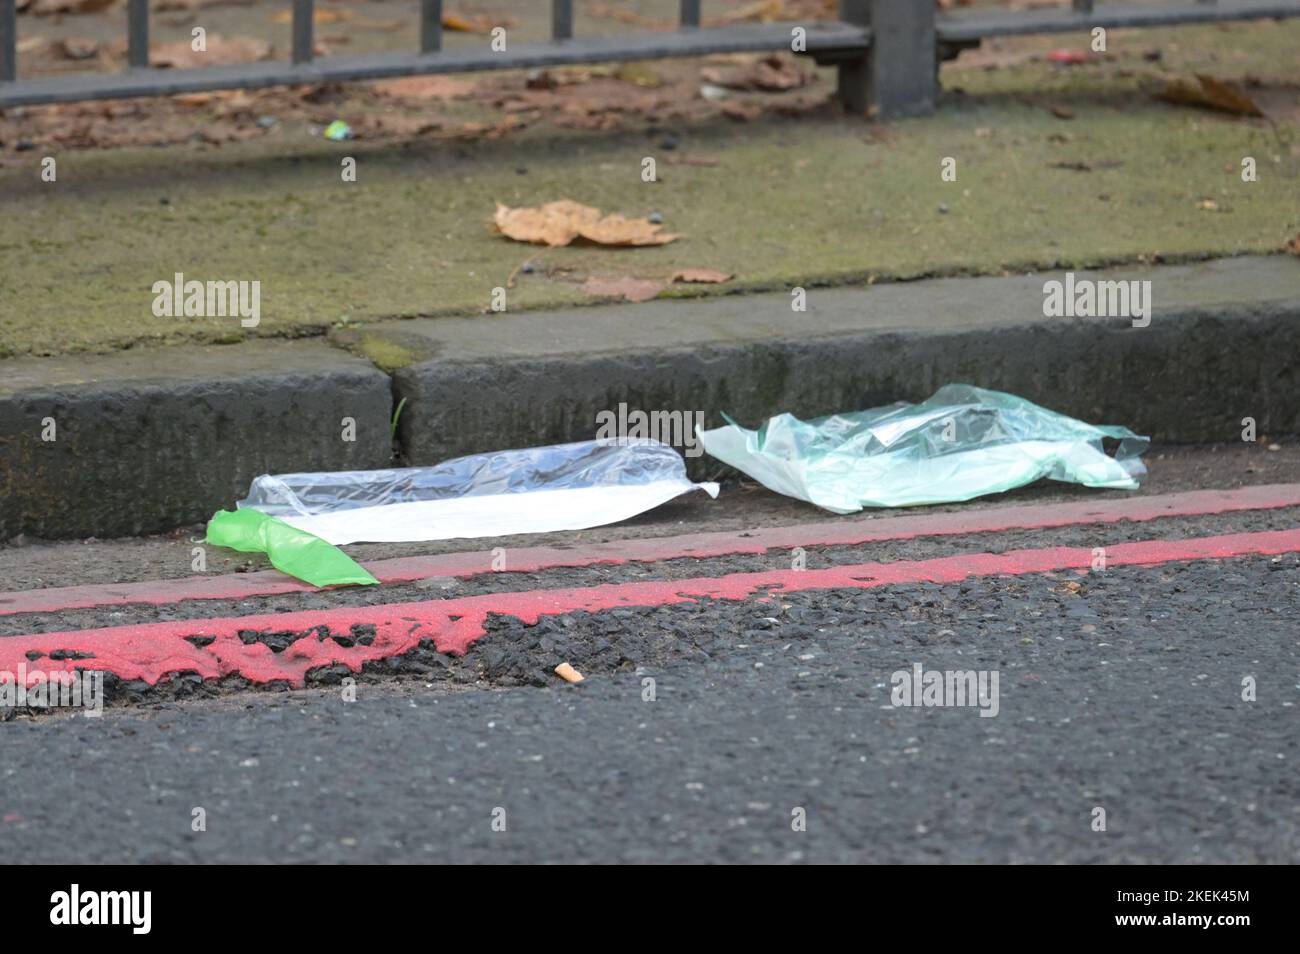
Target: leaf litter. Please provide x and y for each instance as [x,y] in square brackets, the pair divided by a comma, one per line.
[562,222]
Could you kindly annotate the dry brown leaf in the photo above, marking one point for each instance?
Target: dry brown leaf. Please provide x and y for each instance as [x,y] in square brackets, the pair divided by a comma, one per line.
[474,130]
[559,223]
[741,111]
[477,24]
[628,289]
[75,48]
[378,26]
[615,229]
[763,10]
[30,44]
[1209,93]
[50,8]
[553,224]
[426,87]
[771,73]
[605,10]
[220,51]
[165,6]
[701,276]
[399,125]
[319,16]
[639,74]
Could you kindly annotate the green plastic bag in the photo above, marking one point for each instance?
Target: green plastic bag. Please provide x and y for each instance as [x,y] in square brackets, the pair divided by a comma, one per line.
[293,551]
[961,443]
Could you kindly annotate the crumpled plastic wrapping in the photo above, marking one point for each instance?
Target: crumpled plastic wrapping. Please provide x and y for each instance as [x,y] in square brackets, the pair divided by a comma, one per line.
[963,442]
[290,550]
[532,490]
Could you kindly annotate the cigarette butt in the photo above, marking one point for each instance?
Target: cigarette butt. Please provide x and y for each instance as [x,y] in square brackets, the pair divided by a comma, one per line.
[568,673]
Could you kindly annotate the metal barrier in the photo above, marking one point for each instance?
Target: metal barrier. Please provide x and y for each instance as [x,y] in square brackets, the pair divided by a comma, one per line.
[886,51]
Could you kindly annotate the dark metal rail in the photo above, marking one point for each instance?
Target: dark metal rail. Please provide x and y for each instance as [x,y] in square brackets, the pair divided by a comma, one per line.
[885,49]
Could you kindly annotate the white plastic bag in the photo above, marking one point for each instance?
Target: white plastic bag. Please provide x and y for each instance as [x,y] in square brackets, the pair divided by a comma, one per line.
[533,490]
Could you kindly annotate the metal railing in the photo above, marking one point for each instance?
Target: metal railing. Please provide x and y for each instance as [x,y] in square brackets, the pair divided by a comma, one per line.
[886,51]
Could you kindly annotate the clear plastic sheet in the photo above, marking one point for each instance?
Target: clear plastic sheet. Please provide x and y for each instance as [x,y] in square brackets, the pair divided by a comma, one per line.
[533,490]
[961,443]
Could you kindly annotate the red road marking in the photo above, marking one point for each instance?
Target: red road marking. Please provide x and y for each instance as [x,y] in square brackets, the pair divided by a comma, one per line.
[850,532]
[151,650]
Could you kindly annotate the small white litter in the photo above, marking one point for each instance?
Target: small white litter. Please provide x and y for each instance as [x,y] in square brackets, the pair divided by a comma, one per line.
[533,490]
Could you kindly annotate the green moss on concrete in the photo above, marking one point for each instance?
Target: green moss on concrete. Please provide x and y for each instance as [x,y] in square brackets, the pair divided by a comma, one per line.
[389,351]
[817,200]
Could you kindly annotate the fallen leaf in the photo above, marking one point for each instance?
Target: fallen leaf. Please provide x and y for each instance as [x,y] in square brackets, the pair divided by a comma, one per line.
[701,276]
[220,51]
[560,223]
[639,74]
[741,111]
[615,229]
[319,16]
[425,87]
[475,130]
[51,8]
[400,125]
[771,73]
[163,6]
[379,26]
[30,44]
[761,10]
[628,289]
[628,16]
[479,24]
[1209,93]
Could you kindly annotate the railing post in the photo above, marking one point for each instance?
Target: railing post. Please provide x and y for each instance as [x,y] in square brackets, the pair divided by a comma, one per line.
[137,33]
[430,26]
[899,77]
[8,41]
[304,44]
[561,20]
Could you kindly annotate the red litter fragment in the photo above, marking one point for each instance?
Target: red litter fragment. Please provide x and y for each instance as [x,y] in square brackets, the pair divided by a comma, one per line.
[1068,56]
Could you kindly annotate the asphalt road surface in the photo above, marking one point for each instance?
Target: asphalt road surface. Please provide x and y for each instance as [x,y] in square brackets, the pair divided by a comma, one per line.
[1144,709]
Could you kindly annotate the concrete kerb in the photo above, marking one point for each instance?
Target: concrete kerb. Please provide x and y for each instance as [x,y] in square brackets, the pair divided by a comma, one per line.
[1222,345]
[150,439]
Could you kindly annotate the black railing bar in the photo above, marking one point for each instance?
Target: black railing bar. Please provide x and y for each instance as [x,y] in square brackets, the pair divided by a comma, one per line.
[562,19]
[430,26]
[303,31]
[137,33]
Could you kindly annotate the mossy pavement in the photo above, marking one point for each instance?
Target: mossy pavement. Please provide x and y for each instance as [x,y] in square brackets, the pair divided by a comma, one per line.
[1056,167]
